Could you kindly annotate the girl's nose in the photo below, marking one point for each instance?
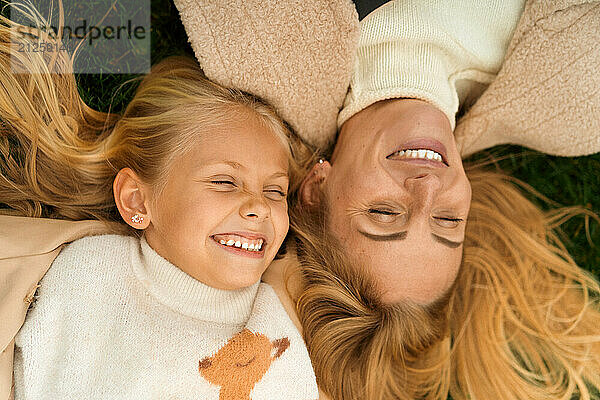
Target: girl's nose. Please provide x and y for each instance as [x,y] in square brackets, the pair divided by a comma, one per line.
[255,209]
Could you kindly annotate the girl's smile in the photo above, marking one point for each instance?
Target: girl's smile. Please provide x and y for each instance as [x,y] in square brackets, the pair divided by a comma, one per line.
[245,244]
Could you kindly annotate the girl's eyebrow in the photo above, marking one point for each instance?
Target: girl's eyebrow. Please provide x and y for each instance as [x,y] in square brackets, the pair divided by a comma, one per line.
[238,166]
[279,175]
[232,164]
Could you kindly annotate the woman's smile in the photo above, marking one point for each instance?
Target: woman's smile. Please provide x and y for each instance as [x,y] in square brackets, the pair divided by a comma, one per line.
[425,149]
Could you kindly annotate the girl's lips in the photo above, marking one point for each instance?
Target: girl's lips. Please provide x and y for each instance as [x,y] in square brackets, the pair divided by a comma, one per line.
[252,237]
[241,252]
[245,234]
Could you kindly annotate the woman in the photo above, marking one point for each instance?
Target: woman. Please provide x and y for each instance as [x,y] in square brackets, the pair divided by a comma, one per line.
[419,303]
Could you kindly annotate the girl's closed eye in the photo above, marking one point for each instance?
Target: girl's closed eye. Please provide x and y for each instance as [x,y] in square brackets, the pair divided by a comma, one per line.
[225,182]
[275,193]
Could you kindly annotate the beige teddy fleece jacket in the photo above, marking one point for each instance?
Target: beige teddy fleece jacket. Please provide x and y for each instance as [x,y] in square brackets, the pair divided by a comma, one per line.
[545,96]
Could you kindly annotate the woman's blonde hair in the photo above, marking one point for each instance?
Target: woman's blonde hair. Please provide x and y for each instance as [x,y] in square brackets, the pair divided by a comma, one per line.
[58,157]
[522,320]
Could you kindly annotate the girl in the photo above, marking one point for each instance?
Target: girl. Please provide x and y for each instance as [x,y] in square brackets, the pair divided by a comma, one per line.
[192,180]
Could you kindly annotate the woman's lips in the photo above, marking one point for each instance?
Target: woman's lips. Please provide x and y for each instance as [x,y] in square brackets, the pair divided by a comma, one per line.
[423,144]
[428,163]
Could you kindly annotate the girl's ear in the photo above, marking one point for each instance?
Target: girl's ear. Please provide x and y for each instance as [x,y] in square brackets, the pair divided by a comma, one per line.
[312,186]
[131,199]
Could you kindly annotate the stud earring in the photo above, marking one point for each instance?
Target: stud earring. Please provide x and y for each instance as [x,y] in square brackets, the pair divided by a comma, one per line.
[320,161]
[137,219]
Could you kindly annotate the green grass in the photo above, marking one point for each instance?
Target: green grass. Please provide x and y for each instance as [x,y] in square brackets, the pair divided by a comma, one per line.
[567,181]
[168,38]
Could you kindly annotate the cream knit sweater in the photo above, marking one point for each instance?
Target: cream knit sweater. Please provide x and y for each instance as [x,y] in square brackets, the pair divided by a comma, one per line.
[439,51]
[115,320]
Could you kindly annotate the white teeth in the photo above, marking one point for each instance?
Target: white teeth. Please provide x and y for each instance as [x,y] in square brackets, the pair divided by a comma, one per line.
[254,245]
[420,153]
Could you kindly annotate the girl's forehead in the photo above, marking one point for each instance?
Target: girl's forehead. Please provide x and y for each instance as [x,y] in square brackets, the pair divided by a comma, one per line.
[238,149]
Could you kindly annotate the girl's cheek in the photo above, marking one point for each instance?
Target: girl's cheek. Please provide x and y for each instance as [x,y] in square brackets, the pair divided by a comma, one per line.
[282,219]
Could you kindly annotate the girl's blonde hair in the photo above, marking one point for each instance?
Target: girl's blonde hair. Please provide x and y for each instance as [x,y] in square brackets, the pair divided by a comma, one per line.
[522,320]
[58,157]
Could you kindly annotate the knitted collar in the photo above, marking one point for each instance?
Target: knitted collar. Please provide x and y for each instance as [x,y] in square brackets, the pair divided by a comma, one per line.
[186,295]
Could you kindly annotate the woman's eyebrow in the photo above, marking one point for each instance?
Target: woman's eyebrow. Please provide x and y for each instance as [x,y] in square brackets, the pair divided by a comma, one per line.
[402,235]
[446,242]
[380,238]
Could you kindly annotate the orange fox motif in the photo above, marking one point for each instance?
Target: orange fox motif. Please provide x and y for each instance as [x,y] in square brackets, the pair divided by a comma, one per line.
[240,363]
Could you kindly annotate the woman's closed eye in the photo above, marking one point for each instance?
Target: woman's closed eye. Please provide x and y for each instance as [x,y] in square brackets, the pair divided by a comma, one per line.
[383,214]
[448,222]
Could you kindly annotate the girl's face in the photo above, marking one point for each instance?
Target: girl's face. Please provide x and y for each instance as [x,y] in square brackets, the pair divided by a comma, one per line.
[222,215]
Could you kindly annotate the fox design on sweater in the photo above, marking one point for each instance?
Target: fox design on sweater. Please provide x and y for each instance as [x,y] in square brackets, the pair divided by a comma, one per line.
[241,363]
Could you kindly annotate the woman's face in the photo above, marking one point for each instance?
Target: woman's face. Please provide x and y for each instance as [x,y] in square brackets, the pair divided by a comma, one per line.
[401,214]
[222,215]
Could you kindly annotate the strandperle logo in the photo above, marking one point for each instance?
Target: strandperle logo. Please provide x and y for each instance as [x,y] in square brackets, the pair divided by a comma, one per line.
[106,37]
[92,33]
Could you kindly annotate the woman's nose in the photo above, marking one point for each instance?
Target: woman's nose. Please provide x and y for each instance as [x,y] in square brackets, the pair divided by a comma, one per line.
[255,209]
[423,186]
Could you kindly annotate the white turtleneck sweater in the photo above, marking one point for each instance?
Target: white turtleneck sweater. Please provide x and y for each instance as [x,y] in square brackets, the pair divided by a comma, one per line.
[115,320]
[443,52]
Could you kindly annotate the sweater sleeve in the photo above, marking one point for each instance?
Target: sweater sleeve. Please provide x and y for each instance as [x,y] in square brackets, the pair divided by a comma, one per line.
[432,50]
[546,95]
[295,55]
